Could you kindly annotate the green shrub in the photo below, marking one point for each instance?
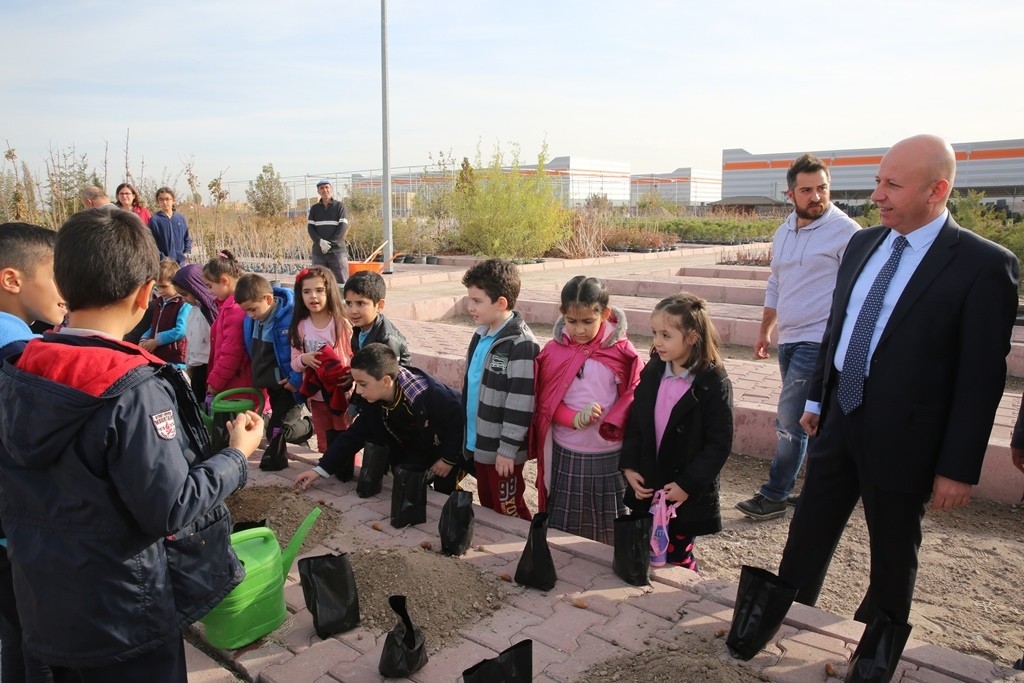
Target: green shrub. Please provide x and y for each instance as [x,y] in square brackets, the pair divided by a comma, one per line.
[506,212]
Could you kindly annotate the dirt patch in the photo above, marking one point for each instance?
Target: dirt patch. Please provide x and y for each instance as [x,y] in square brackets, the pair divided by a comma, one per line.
[443,593]
[284,511]
[968,595]
[692,657]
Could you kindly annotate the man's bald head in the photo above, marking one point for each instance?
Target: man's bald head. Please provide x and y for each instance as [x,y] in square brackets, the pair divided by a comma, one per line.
[935,157]
[914,182]
[94,196]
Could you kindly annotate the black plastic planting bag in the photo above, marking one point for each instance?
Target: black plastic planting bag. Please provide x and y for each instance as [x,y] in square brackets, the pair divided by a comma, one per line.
[329,589]
[371,472]
[536,568]
[762,601]
[456,525]
[409,497]
[632,559]
[275,457]
[219,434]
[242,526]
[405,651]
[514,665]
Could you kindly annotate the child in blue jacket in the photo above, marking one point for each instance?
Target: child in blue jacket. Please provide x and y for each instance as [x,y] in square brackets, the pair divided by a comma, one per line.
[269,316]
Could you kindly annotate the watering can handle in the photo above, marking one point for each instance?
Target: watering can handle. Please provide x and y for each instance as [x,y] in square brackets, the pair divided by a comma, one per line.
[243,391]
[266,533]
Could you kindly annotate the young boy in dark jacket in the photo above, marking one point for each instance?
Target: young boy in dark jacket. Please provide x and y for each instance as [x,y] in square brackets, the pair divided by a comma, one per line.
[419,418]
[27,294]
[364,301]
[117,535]
[269,315]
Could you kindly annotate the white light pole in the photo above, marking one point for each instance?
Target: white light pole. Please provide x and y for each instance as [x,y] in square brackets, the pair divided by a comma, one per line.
[386,185]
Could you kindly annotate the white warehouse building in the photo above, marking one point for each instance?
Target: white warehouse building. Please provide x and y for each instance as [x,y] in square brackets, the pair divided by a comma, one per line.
[575,179]
[683,186]
[995,167]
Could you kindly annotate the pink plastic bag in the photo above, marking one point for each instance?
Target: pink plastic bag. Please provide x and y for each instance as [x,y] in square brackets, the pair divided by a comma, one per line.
[662,511]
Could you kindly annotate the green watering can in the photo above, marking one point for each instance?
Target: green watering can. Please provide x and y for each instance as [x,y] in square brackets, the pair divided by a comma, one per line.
[256,606]
[225,406]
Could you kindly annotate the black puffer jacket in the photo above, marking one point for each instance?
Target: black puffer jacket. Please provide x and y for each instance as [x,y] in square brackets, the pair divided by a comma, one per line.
[694,448]
[116,530]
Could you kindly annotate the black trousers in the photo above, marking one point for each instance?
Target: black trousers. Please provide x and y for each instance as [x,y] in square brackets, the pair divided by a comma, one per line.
[286,416]
[16,665]
[166,664]
[197,378]
[336,261]
[836,478]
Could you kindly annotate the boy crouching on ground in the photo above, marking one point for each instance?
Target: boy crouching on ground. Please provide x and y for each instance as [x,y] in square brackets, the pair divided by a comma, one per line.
[419,418]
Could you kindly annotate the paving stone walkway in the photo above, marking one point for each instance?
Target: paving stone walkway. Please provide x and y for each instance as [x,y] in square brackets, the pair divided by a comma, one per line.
[568,640]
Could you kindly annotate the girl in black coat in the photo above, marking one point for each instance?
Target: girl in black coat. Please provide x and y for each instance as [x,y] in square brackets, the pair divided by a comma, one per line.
[680,429]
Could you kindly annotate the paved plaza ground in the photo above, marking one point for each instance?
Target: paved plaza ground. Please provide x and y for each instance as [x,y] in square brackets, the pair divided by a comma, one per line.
[590,615]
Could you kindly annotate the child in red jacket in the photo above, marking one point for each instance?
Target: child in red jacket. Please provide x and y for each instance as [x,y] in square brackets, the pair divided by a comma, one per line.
[230,367]
[585,378]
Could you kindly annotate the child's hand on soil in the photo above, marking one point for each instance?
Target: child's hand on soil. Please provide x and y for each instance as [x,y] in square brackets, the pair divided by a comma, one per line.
[305,480]
[245,432]
[636,482]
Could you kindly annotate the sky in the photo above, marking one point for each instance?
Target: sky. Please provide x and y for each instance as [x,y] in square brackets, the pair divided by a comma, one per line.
[232,86]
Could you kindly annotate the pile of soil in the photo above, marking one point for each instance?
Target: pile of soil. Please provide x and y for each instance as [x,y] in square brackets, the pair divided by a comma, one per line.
[284,510]
[444,594]
[691,658]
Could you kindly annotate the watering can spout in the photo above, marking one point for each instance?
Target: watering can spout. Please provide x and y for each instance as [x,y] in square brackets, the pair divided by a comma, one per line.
[288,556]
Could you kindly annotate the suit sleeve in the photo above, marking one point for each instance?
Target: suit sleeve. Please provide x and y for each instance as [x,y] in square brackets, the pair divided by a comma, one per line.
[990,309]
[717,442]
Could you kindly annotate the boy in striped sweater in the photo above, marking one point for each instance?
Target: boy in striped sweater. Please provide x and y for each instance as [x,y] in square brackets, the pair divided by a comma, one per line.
[498,396]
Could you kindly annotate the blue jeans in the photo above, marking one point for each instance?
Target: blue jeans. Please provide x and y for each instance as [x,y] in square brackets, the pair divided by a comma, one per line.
[796,363]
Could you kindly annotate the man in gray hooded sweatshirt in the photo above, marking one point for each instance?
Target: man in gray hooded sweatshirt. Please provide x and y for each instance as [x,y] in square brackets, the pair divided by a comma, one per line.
[806,252]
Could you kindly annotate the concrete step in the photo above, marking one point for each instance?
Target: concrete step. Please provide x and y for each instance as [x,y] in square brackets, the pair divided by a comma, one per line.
[440,349]
[728,272]
[718,290]
[736,323]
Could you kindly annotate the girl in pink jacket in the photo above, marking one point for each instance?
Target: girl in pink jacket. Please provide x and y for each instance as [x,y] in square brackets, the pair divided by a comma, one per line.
[230,367]
[585,377]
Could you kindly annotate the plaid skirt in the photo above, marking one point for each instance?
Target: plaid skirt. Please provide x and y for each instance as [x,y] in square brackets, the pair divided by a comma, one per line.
[586,493]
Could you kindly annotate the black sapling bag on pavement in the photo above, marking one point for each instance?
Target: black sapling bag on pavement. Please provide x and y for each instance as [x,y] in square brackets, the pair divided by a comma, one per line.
[405,651]
[536,568]
[632,559]
[409,497]
[371,472]
[329,589]
[457,522]
[514,665]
